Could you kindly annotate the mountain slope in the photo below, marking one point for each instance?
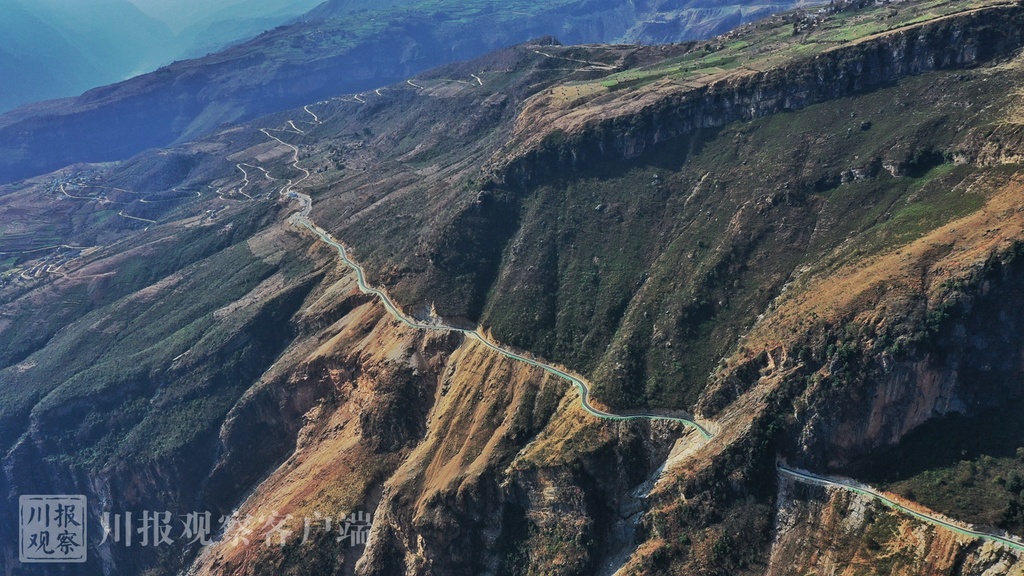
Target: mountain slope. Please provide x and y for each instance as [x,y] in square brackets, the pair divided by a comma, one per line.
[813,244]
[184,14]
[53,49]
[327,53]
[201,28]
[59,48]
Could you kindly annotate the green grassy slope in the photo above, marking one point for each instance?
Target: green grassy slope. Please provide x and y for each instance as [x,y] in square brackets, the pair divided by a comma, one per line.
[642,271]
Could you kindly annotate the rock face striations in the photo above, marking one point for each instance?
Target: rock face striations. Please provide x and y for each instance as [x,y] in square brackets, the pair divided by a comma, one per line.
[626,127]
[807,233]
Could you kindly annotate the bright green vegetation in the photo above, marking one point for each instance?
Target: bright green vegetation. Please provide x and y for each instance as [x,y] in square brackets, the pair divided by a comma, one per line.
[775,41]
[890,212]
[970,468]
[582,387]
[140,377]
[644,274]
[883,525]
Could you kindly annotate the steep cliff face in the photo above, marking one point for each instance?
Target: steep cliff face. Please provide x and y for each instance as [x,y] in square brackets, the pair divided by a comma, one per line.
[537,486]
[123,405]
[820,284]
[852,353]
[831,531]
[964,360]
[625,127]
[467,460]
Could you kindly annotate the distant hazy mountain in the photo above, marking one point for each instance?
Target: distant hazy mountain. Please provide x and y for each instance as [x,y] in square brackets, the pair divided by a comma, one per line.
[811,243]
[53,48]
[202,26]
[56,48]
[632,21]
[183,14]
[341,46]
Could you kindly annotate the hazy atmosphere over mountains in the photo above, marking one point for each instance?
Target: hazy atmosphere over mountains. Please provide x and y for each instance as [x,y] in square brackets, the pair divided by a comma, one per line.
[440,288]
[340,46]
[57,48]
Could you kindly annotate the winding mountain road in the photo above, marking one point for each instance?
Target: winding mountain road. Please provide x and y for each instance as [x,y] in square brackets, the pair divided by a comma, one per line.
[593,65]
[863,490]
[584,388]
[316,119]
[146,220]
[302,217]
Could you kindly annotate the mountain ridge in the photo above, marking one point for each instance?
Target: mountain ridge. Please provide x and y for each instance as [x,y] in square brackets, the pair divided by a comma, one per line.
[331,56]
[820,281]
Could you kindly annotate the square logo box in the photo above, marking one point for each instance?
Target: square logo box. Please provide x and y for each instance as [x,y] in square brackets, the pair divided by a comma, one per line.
[52,529]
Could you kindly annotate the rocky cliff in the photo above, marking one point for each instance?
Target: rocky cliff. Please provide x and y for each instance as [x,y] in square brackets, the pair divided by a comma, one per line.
[825,269]
[830,531]
[626,126]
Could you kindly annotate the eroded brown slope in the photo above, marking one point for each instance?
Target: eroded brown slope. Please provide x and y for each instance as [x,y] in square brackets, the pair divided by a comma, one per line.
[897,264]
